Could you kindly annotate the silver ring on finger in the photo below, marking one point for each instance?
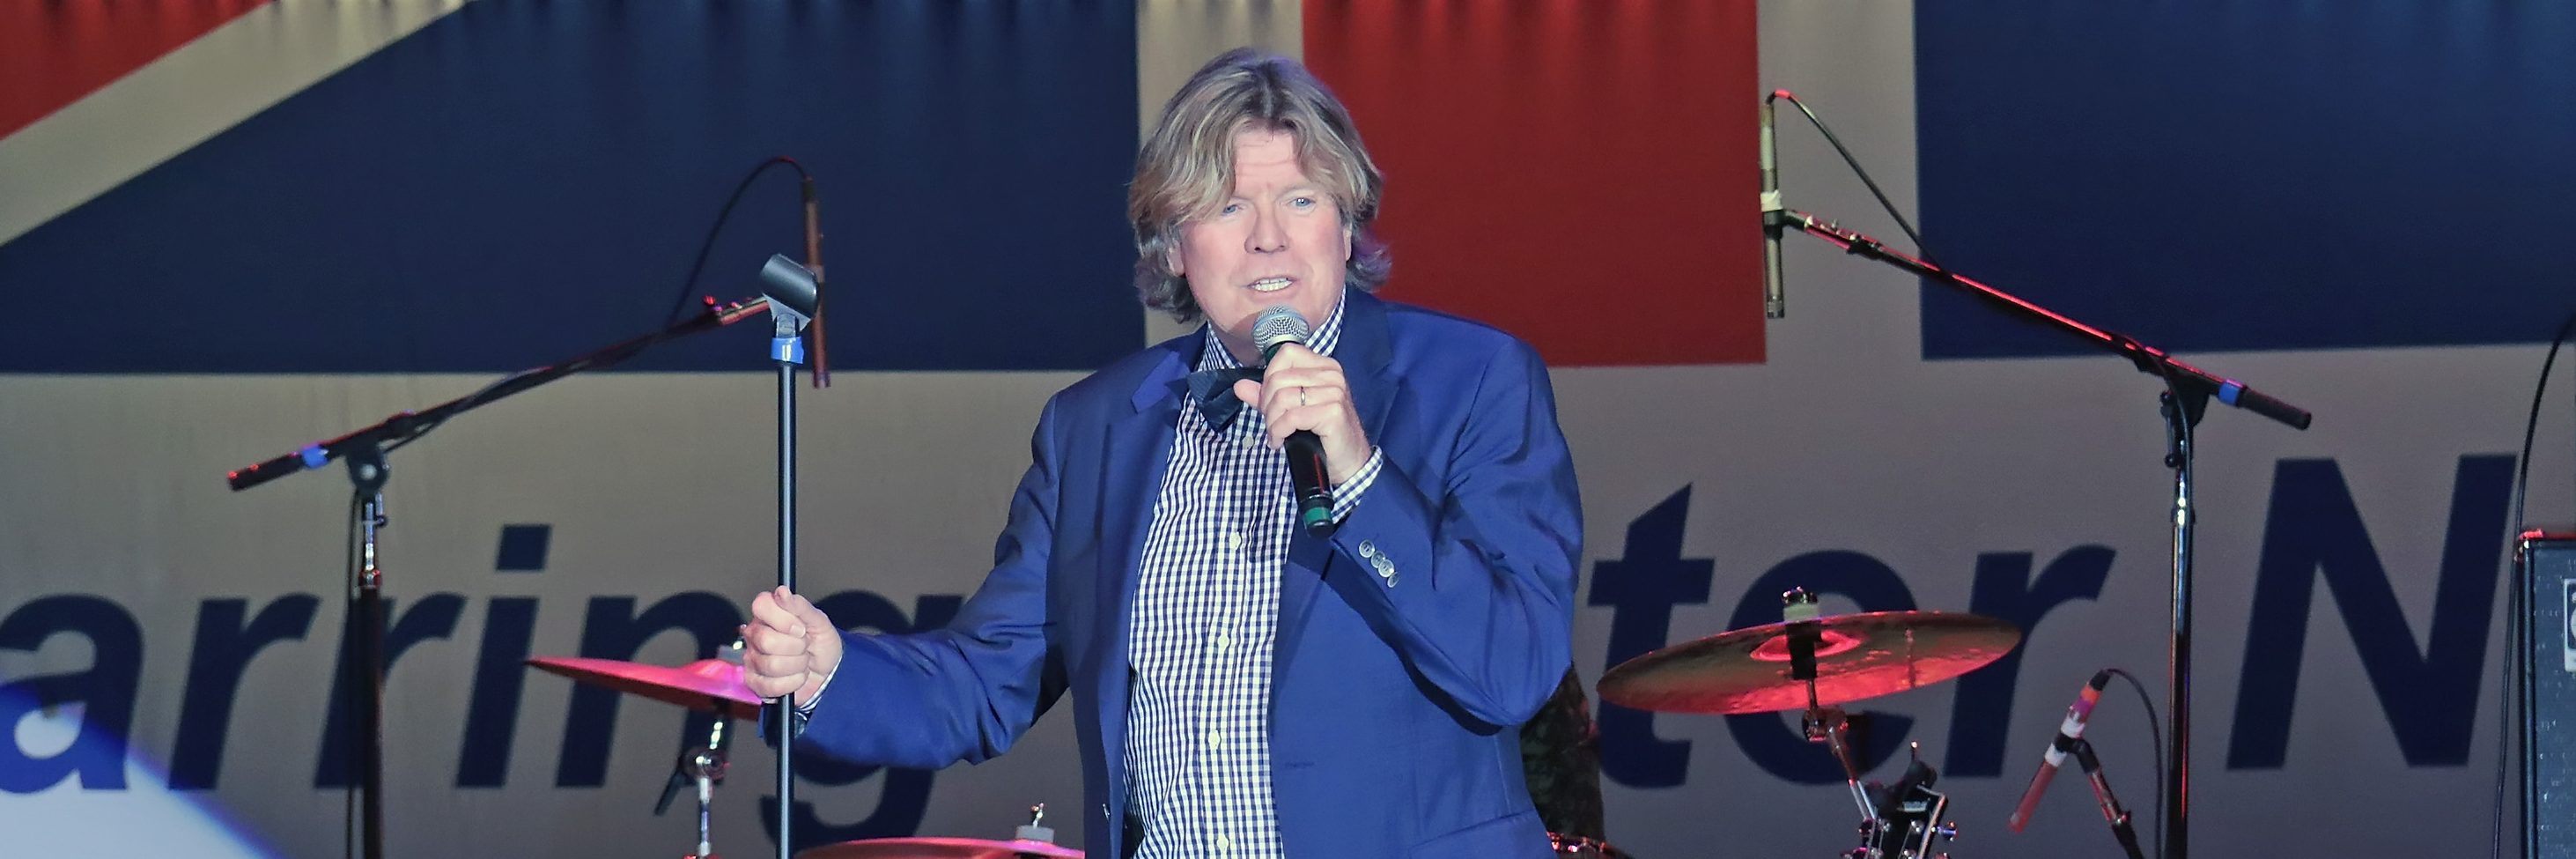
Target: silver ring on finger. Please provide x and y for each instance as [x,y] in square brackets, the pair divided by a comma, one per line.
[1301,396]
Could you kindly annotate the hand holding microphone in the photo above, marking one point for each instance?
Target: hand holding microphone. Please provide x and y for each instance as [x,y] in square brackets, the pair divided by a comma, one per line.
[1306,401]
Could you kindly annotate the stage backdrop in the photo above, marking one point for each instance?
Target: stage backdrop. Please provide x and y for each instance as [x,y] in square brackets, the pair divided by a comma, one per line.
[232,228]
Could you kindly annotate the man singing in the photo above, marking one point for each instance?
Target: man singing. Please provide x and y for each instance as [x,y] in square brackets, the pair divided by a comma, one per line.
[1244,687]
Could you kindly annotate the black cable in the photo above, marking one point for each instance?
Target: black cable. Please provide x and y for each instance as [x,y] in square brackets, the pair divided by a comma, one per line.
[1901,223]
[689,286]
[2507,697]
[2158,737]
[475,399]
[470,401]
[2515,629]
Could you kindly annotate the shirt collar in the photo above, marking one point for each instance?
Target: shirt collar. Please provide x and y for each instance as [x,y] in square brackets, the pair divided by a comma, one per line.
[1214,356]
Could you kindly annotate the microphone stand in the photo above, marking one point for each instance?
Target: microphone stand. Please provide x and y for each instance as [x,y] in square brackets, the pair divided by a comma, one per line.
[705,765]
[2188,392]
[363,451]
[795,295]
[2082,749]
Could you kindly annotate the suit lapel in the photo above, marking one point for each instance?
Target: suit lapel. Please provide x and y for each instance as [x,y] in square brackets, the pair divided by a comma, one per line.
[1364,355]
[1367,350]
[1136,453]
[1139,450]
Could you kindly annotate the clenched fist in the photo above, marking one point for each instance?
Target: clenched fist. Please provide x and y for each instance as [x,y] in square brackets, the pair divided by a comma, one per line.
[1300,390]
[789,646]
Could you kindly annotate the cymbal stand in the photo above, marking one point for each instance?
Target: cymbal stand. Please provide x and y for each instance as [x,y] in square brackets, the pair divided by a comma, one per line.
[1832,727]
[1828,725]
[706,765]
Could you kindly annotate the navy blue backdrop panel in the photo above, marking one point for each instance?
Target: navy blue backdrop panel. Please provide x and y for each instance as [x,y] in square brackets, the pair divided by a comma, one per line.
[2242,176]
[523,181]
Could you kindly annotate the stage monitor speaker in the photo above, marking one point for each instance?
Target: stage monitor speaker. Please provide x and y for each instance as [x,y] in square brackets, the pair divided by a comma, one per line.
[2548,673]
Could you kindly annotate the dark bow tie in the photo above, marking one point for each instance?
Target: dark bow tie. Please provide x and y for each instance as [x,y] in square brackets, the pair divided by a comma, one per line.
[1214,392]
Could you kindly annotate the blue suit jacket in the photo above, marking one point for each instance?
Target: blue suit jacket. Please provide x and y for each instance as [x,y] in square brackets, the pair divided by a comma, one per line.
[1394,702]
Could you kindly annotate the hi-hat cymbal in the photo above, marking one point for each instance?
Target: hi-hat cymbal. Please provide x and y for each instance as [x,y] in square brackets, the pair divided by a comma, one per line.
[1858,656]
[704,685]
[938,848]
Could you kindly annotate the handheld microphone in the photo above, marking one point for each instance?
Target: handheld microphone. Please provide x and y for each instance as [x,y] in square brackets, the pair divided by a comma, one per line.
[1279,326]
[1775,303]
[2067,733]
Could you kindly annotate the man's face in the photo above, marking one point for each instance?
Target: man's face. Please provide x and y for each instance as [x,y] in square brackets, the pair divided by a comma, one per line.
[1277,240]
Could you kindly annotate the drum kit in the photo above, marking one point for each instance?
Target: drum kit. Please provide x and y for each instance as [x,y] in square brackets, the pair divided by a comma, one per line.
[1808,662]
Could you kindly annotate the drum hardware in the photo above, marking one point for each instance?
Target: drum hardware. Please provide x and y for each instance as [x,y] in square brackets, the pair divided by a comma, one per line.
[716,686]
[705,767]
[1811,663]
[1905,818]
[708,686]
[1033,841]
[1586,848]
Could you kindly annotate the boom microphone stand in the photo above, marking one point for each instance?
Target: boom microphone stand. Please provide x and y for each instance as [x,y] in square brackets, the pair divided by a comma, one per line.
[2189,390]
[363,451]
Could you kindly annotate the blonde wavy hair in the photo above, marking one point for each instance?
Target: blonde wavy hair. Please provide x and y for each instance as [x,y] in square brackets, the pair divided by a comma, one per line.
[1186,168]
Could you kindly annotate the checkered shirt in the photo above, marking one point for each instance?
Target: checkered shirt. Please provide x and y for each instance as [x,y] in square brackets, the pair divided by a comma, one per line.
[1205,626]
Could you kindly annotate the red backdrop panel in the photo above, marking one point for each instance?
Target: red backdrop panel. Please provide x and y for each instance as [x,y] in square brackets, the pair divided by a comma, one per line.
[1579,172]
[53,53]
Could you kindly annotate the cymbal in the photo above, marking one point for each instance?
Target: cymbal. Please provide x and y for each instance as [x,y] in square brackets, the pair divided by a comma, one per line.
[938,848]
[1859,656]
[705,685]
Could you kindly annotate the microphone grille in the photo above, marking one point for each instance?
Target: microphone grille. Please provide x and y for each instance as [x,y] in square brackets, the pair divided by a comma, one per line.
[1277,326]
